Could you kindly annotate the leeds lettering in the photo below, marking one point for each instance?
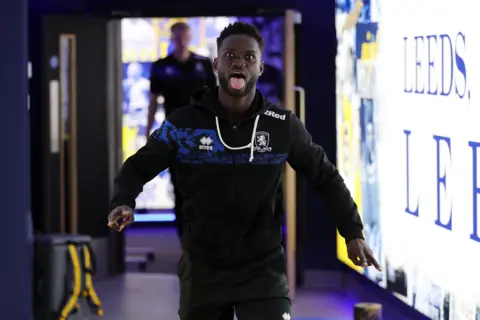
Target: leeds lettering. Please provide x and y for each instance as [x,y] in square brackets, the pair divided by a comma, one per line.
[408,208]
[435,65]
[476,189]
[443,158]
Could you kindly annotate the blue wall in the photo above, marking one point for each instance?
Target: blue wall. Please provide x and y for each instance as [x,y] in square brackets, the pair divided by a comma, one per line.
[15,275]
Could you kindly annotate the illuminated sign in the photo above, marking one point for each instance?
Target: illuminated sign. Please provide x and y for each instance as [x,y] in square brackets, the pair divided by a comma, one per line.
[409,146]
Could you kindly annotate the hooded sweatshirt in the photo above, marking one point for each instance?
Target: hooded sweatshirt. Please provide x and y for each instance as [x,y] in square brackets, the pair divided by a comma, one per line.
[229,176]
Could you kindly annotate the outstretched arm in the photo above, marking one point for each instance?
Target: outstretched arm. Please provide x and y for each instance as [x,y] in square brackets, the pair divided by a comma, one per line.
[156,156]
[310,159]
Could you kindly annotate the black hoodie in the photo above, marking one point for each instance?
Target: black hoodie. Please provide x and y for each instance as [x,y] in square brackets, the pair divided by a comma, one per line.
[229,176]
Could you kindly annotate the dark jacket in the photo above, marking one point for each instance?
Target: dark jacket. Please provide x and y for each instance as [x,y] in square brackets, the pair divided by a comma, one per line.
[229,176]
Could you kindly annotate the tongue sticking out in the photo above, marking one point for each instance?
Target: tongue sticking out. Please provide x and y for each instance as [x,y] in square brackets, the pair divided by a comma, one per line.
[237,83]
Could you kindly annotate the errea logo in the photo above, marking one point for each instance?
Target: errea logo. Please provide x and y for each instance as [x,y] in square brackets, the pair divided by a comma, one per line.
[275,115]
[206,144]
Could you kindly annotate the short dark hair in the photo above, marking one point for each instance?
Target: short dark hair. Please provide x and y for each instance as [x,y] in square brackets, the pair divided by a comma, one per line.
[179,26]
[243,29]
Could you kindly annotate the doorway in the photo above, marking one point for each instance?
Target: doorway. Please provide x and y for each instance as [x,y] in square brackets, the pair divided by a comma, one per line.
[90,68]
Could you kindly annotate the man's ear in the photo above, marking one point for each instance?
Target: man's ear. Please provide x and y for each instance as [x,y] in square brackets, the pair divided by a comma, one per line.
[215,64]
[262,66]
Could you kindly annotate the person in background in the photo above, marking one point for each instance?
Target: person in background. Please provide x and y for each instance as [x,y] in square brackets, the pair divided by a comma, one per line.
[175,78]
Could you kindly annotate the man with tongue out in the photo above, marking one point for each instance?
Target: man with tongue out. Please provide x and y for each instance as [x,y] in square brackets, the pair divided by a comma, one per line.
[229,148]
[237,81]
[238,67]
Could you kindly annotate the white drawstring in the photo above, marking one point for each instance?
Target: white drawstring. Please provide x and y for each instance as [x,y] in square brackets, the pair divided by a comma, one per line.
[251,145]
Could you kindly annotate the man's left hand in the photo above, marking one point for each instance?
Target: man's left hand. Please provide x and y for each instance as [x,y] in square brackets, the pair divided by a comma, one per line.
[361,255]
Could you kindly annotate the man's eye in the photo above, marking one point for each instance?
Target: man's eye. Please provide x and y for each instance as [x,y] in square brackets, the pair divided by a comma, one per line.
[250,57]
[229,55]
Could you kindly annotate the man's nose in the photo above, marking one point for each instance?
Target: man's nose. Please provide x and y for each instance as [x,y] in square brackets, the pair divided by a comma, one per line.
[239,62]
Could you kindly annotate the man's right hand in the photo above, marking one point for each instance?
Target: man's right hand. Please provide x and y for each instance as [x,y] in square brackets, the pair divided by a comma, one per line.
[120,218]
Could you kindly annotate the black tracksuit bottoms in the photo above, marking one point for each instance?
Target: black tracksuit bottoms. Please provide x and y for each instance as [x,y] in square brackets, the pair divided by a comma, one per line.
[257,291]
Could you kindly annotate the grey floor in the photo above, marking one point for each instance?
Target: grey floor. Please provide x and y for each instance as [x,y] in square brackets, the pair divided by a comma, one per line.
[165,244]
[148,296]
[153,294]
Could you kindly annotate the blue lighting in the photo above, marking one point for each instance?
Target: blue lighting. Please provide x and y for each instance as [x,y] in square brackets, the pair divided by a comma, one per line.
[154,217]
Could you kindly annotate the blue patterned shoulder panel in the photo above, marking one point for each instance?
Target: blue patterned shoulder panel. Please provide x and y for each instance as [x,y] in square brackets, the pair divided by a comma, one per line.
[186,139]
